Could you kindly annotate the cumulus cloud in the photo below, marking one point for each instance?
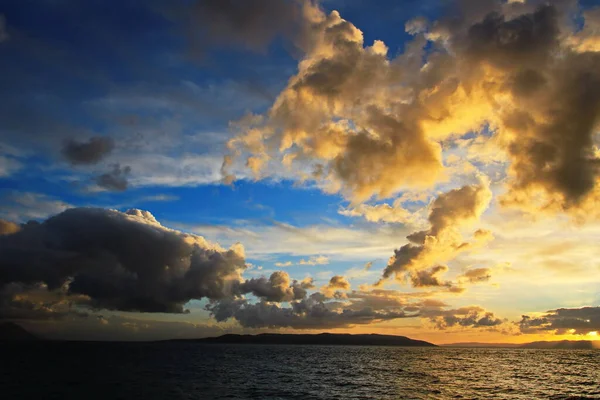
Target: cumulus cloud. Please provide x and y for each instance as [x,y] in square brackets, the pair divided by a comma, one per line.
[336,284]
[90,152]
[278,288]
[363,124]
[317,118]
[578,321]
[120,261]
[443,240]
[116,179]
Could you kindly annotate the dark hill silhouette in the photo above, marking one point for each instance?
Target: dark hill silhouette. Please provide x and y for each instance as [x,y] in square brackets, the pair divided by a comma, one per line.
[563,344]
[9,331]
[318,339]
[558,344]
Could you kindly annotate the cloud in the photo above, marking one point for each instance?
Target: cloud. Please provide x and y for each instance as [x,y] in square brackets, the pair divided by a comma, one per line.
[346,145]
[428,277]
[588,39]
[443,240]
[159,197]
[266,241]
[578,321]
[317,311]
[284,264]
[383,213]
[363,124]
[251,24]
[278,288]
[116,179]
[9,165]
[315,260]
[121,261]
[90,152]
[476,275]
[471,317]
[8,228]
[36,302]
[156,169]
[310,313]
[24,206]
[336,284]
[382,299]
[312,260]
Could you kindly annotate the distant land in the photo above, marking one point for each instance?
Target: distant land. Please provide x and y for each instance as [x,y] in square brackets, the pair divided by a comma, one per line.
[478,344]
[559,344]
[318,339]
[9,331]
[563,344]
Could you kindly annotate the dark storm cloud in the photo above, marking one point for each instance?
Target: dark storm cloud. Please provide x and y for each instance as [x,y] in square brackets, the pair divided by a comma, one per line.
[115,179]
[120,261]
[562,321]
[87,152]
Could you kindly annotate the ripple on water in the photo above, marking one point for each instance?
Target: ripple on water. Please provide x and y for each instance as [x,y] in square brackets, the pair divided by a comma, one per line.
[195,371]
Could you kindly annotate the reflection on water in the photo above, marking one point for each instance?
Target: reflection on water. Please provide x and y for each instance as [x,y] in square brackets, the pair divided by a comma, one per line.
[198,371]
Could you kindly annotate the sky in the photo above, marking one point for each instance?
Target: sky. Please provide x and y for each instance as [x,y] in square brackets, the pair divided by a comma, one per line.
[180,169]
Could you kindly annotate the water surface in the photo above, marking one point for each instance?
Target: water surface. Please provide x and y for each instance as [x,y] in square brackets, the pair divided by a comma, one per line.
[200,371]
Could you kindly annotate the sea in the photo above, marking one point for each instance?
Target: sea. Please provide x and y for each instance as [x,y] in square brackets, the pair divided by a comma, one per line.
[187,370]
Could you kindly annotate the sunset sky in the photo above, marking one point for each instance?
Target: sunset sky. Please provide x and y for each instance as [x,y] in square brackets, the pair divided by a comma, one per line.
[192,168]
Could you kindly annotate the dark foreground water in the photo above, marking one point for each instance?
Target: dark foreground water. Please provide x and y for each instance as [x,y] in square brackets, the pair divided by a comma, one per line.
[199,371]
